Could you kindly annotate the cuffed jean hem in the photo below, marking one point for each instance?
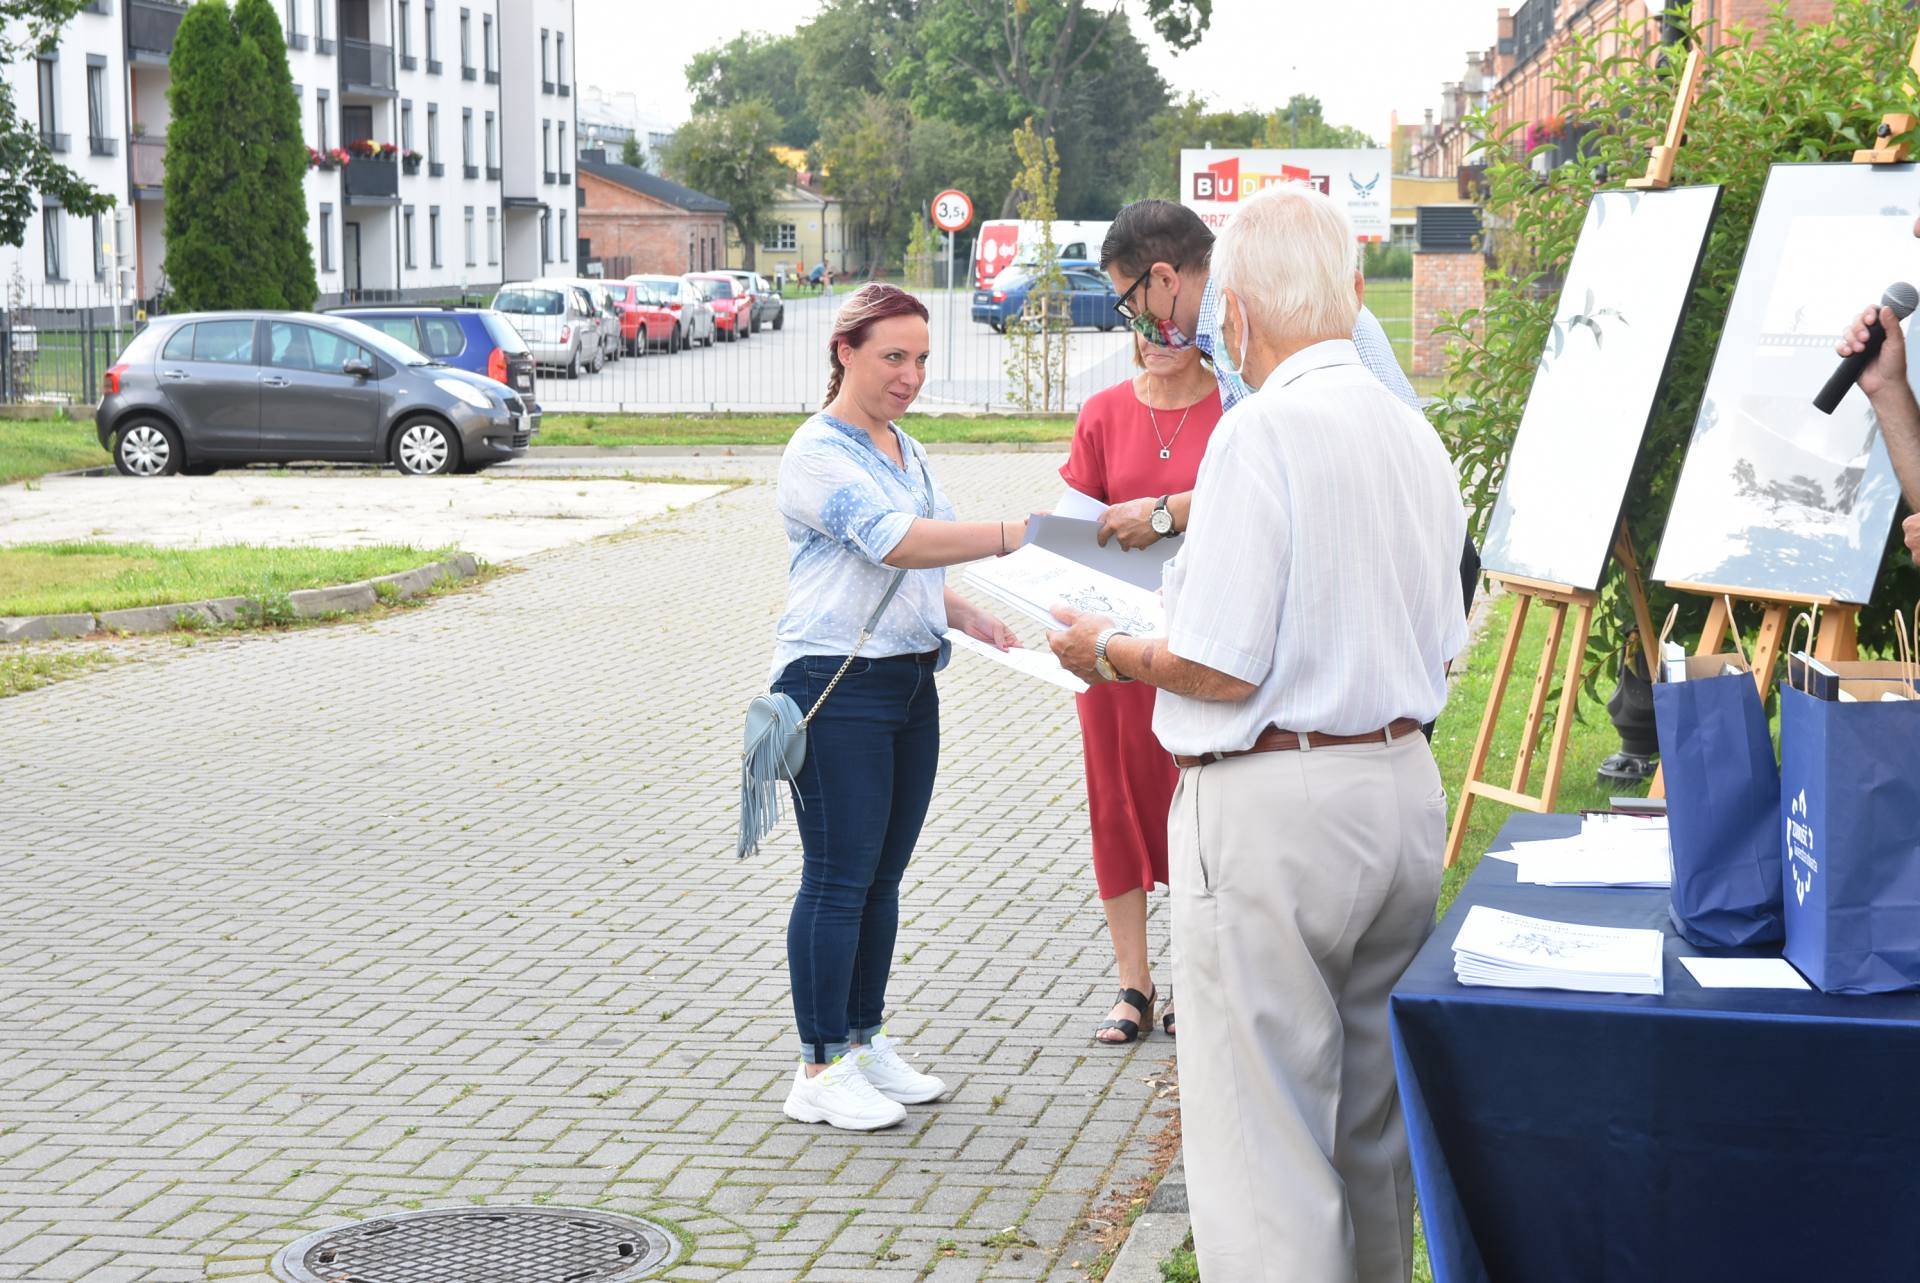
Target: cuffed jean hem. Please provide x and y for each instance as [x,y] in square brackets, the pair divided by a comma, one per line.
[823,1053]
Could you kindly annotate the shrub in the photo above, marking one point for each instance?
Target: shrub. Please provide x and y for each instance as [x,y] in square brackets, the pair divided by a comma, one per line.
[1793,93]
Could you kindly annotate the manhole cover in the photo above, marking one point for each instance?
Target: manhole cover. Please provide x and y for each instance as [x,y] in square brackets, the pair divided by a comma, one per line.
[481,1245]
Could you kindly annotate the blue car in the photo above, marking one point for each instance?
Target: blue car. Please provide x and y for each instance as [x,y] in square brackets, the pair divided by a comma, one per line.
[1089,296]
[476,339]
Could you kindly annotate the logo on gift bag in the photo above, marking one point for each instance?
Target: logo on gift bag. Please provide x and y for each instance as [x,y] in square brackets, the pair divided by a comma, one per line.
[1800,848]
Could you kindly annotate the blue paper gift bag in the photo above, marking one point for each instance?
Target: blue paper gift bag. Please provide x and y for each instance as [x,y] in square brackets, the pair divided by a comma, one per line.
[1850,812]
[1723,805]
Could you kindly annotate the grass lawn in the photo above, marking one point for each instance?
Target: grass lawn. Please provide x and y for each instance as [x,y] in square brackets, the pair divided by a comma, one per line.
[1591,740]
[774,429]
[34,447]
[57,578]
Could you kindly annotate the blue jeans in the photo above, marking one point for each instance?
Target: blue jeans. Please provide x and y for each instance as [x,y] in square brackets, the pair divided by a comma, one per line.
[863,792]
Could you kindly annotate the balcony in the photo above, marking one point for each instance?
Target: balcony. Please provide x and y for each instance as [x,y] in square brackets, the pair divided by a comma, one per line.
[151,27]
[296,40]
[435,169]
[322,45]
[470,171]
[409,63]
[103,146]
[433,66]
[564,178]
[468,73]
[54,142]
[367,68]
[493,77]
[372,180]
[97,6]
[148,157]
[546,177]
[546,86]
[493,173]
[566,90]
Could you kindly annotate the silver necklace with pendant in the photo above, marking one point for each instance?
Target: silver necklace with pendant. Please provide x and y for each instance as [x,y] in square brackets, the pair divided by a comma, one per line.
[1166,444]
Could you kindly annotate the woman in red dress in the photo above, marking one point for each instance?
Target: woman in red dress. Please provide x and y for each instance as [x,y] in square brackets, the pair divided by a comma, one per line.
[1134,443]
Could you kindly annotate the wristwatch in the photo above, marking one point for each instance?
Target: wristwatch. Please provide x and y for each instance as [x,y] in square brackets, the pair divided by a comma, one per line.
[1162,519]
[1101,664]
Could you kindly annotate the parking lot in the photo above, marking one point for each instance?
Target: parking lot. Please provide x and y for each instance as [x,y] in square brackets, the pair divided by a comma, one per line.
[786,369]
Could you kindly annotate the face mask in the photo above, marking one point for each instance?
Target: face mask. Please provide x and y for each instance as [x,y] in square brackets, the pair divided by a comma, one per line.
[1160,333]
[1224,360]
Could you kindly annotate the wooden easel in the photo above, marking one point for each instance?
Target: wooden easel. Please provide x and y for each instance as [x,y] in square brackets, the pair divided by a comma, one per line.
[1561,598]
[1885,151]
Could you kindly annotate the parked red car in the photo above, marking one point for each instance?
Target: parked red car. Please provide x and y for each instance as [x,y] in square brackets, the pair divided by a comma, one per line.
[732,306]
[645,321]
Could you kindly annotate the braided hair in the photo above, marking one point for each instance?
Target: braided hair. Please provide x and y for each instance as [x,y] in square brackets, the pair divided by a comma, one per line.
[865,307]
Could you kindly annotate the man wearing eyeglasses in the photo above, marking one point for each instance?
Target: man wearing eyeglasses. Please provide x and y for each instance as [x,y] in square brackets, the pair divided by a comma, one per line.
[1157,254]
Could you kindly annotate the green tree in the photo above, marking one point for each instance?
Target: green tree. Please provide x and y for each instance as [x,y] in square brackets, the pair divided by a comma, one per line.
[213,257]
[997,63]
[630,153]
[847,48]
[1105,118]
[28,171]
[866,159]
[755,66]
[1190,123]
[1302,123]
[726,154]
[277,148]
[1037,338]
[1795,93]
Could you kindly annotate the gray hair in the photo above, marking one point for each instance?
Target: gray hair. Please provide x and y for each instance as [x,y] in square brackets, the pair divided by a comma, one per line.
[1289,257]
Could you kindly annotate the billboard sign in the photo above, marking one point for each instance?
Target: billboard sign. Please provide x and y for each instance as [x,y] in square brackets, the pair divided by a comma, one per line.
[1214,182]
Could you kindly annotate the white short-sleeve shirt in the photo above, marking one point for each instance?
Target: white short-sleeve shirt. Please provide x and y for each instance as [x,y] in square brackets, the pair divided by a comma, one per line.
[1322,565]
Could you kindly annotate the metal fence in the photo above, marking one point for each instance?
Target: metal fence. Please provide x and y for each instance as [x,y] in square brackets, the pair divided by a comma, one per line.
[55,348]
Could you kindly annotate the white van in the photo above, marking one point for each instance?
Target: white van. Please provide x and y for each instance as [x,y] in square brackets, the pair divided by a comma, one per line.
[1004,242]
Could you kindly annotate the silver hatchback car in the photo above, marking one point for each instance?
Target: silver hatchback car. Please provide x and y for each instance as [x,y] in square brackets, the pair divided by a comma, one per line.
[197,392]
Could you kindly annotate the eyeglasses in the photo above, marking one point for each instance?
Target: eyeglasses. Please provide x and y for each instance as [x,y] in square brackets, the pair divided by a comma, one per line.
[1125,308]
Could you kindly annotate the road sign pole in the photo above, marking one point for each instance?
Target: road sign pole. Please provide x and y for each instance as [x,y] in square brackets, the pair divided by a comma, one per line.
[951,323]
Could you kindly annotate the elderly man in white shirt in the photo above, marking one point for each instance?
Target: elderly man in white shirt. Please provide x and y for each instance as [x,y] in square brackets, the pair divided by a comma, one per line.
[1310,618]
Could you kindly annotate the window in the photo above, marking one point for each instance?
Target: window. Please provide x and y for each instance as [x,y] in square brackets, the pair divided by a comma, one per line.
[399,328]
[433,42]
[546,150]
[563,236]
[493,237]
[473,259]
[433,235]
[781,236]
[326,238]
[406,234]
[443,336]
[292,346]
[560,58]
[180,346]
[406,28]
[466,43]
[45,66]
[560,130]
[466,139]
[97,103]
[320,25]
[99,249]
[321,102]
[546,237]
[293,21]
[406,125]
[433,133]
[486,43]
[53,234]
[224,342]
[546,76]
[493,154]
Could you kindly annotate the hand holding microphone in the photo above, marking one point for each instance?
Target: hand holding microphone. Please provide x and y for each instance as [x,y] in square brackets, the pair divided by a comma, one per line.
[1874,352]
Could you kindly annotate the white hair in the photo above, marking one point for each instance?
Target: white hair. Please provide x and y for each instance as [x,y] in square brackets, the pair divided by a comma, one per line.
[1289,256]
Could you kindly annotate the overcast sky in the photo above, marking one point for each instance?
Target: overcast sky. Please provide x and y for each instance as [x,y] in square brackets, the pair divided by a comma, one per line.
[1363,59]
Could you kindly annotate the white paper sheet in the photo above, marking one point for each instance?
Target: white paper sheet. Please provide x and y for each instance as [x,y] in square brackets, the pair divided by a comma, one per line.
[1032,579]
[1744,973]
[1511,950]
[1608,855]
[1077,506]
[1027,661]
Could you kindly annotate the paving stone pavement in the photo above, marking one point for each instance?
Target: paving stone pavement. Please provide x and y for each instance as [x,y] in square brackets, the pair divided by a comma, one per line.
[442,909]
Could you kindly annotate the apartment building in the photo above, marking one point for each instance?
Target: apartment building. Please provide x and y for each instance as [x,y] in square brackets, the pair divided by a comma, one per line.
[458,92]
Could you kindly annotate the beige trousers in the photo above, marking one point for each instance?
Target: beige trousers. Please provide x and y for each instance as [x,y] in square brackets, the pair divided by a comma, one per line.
[1303,884]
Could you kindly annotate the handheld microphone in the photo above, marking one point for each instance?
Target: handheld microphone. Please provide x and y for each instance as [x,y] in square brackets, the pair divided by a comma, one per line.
[1901,298]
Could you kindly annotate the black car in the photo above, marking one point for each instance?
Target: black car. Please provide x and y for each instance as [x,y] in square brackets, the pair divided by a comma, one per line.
[192,393]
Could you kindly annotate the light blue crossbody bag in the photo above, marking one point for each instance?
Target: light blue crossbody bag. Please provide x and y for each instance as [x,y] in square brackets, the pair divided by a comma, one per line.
[776,737]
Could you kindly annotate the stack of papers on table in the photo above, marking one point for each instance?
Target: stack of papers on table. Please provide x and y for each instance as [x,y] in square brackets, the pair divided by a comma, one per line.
[1609,851]
[1031,579]
[1512,951]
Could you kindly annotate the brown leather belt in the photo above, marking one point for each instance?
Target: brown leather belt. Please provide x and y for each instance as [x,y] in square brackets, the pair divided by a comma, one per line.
[1275,740]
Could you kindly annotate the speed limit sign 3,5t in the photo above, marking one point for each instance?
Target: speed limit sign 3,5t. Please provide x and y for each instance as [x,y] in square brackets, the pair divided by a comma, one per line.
[952,210]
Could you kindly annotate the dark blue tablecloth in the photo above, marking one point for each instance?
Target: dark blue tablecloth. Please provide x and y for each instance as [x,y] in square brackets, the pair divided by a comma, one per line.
[1702,1135]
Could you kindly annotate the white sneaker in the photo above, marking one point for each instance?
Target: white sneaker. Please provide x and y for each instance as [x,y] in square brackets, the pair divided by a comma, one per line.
[892,1076]
[840,1094]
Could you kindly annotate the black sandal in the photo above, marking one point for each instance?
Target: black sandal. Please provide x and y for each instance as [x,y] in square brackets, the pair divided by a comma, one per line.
[1141,1002]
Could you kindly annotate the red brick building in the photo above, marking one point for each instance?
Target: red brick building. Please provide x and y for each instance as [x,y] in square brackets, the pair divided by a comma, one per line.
[636,222]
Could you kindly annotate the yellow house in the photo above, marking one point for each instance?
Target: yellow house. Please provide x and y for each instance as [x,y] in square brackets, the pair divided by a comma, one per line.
[1410,192]
[803,228]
